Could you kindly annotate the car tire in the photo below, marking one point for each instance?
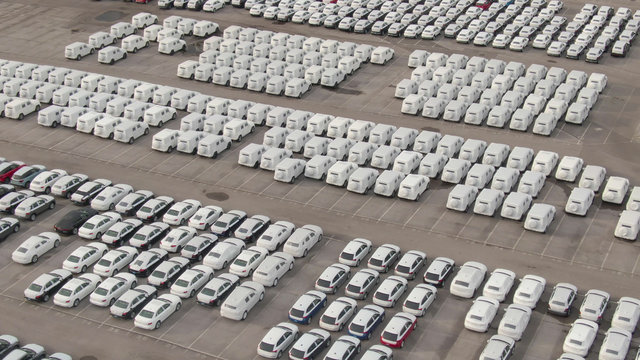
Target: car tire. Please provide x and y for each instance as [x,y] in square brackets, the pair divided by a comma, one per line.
[132,314]
[357,263]
[112,301]
[47,191]
[305,253]
[98,235]
[192,293]
[74,231]
[45,298]
[56,243]
[16,228]
[20,117]
[111,207]
[261,296]
[135,50]
[115,272]
[275,282]
[34,259]
[76,302]
[112,62]
[130,140]
[290,266]
[168,284]
[178,306]
[32,217]
[84,268]
[146,131]
[341,327]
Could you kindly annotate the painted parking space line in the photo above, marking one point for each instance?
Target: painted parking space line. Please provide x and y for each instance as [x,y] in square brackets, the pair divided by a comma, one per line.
[550,238]
[355,213]
[337,201]
[316,194]
[584,236]
[606,255]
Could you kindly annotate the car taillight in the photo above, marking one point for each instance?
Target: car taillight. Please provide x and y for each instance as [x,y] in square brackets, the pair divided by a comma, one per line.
[173,246]
[68,301]
[148,323]
[104,300]
[107,270]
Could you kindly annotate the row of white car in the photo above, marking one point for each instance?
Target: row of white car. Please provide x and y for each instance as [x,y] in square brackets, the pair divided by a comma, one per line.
[496,92]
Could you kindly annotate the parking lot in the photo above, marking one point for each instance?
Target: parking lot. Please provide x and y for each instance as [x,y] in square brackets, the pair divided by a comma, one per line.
[578,250]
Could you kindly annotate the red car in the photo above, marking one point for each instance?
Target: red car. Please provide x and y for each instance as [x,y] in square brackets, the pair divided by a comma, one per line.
[7,169]
[398,330]
[484,4]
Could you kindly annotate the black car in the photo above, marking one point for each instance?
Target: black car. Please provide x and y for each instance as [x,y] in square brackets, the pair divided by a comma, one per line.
[74,219]
[132,301]
[88,191]
[228,222]
[197,5]
[6,188]
[149,235]
[121,231]
[252,228]
[167,272]
[9,202]
[153,209]
[8,343]
[46,284]
[8,226]
[132,202]
[216,290]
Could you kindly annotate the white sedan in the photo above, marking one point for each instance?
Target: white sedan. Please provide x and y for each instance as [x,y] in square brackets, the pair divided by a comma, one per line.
[177,238]
[205,217]
[223,253]
[518,43]
[98,225]
[111,289]
[76,289]
[34,247]
[181,211]
[156,311]
[115,260]
[84,256]
[248,260]
[191,281]
[275,235]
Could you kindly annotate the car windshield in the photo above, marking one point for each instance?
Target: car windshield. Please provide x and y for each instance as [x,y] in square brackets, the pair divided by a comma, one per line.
[220,224]
[112,233]
[121,304]
[182,283]
[73,259]
[35,287]
[146,314]
[65,292]
[173,212]
[240,262]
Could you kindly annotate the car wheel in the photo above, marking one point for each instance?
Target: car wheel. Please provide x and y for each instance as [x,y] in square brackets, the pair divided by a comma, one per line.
[84,268]
[112,301]
[290,266]
[193,292]
[115,272]
[78,57]
[112,62]
[32,217]
[111,207]
[48,191]
[67,195]
[261,296]
[275,282]
[132,314]
[130,140]
[402,344]
[74,231]
[171,52]
[305,253]
[368,336]
[45,298]
[224,264]
[34,259]
[135,50]
[357,263]
[340,328]
[56,243]
[244,315]
[98,235]
[76,302]
[20,117]
[178,306]
[168,283]
[16,228]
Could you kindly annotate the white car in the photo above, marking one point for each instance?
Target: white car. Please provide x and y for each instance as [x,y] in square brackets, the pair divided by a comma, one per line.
[580,337]
[129,204]
[171,45]
[627,314]
[65,185]
[111,288]
[410,264]
[384,257]
[276,341]
[615,345]
[84,256]
[242,300]
[191,281]
[247,261]
[181,211]
[111,54]
[177,238]
[302,240]
[332,278]
[438,271]
[147,261]
[468,279]
[615,190]
[498,347]
[98,225]
[46,180]
[76,289]
[205,217]
[273,268]
[355,251]
[390,291]
[338,313]
[110,196]
[275,235]
[481,314]
[168,271]
[156,311]
[499,284]
[35,247]
[115,260]
[594,305]
[223,253]
[149,234]
[514,321]
[419,299]
[33,206]
[529,291]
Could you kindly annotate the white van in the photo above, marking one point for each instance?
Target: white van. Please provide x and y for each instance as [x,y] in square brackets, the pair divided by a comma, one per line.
[521,119]
[99,101]
[331,77]
[426,141]
[158,115]
[339,173]
[338,127]
[498,116]
[515,206]
[405,88]
[129,131]
[569,168]
[339,148]
[288,170]
[203,72]
[193,122]
[90,82]
[455,110]
[80,98]
[490,98]
[495,154]
[278,116]
[545,162]
[69,116]
[208,56]
[488,201]
[262,51]
[312,59]
[258,113]
[421,74]
[384,156]
[540,217]
[407,161]
[519,158]
[318,167]
[316,146]
[455,170]
[628,225]
[272,157]
[418,58]
[105,127]
[318,124]
[232,32]
[433,108]
[428,88]
[293,71]
[587,96]
[461,196]
[476,113]
[29,89]
[297,120]
[116,106]
[19,108]
[58,75]
[577,113]
[236,129]
[297,140]
[165,140]
[597,81]
[404,138]
[211,145]
[413,104]
[276,85]
[61,96]
[44,94]
[579,201]
[275,137]
[504,179]
[432,164]
[362,180]
[363,52]
[180,100]
[462,78]
[251,154]
[388,183]
[413,186]
[238,109]
[297,87]
[188,141]
[469,95]
[143,92]
[51,116]
[86,122]
[449,145]
[41,73]
[556,107]
[531,183]
[244,51]
[214,124]
[479,175]
[77,50]
[135,111]
[239,79]
[361,153]
[127,88]
[218,106]
[534,103]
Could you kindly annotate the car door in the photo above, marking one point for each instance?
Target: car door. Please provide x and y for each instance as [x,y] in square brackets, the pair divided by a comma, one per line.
[222,290]
[87,257]
[195,282]
[115,289]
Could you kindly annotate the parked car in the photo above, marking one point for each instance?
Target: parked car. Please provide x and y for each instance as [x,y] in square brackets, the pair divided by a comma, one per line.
[310,344]
[148,235]
[223,253]
[154,208]
[242,300]
[336,316]
[33,206]
[398,330]
[562,297]
[46,284]
[76,290]
[132,301]
[355,251]
[35,247]
[84,256]
[228,222]
[217,289]
[115,260]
